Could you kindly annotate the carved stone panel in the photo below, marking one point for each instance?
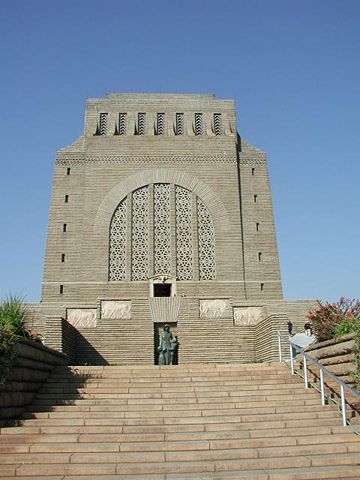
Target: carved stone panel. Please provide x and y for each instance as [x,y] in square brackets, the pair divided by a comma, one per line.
[164,309]
[82,317]
[115,309]
[245,316]
[214,308]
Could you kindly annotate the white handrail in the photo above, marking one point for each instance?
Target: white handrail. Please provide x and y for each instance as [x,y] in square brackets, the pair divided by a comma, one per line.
[305,372]
[323,371]
[322,387]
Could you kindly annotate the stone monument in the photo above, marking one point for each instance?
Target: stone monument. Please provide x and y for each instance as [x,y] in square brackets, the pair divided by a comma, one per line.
[160,211]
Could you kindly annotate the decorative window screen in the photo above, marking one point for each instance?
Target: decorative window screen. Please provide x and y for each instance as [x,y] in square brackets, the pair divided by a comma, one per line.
[140,234]
[122,123]
[199,129]
[206,242]
[118,243]
[101,128]
[103,123]
[179,125]
[162,234]
[184,237]
[217,124]
[160,124]
[179,227]
[141,124]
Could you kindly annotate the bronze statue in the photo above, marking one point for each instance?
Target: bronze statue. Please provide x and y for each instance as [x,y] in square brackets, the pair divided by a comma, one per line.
[173,351]
[167,347]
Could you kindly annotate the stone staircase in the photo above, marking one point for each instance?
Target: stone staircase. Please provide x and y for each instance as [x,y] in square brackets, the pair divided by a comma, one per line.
[249,421]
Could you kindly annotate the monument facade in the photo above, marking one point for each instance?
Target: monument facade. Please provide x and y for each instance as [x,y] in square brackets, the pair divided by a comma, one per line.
[161,214]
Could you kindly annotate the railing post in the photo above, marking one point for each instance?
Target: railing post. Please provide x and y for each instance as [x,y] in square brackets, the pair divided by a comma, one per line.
[305,372]
[279,343]
[343,405]
[322,387]
[292,359]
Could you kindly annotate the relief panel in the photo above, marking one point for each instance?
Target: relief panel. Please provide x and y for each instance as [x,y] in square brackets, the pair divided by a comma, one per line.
[82,317]
[215,308]
[244,316]
[115,309]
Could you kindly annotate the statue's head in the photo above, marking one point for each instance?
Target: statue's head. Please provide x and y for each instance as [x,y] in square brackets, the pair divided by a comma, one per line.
[166,327]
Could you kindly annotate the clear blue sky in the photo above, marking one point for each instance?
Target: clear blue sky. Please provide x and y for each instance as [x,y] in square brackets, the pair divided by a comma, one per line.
[292,66]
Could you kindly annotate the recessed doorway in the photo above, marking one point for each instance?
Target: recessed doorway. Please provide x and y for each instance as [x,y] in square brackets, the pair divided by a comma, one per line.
[162,289]
[158,329]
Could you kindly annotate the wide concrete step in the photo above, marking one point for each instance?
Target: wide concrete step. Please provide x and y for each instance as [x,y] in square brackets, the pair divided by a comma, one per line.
[209,422]
[122,377]
[174,454]
[191,392]
[113,384]
[124,389]
[181,375]
[325,432]
[172,417]
[189,367]
[130,412]
[315,473]
[163,463]
[167,372]
[149,427]
[71,445]
[222,396]
[87,406]
[306,396]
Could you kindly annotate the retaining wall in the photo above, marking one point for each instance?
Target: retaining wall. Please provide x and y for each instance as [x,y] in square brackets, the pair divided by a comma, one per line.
[337,355]
[32,365]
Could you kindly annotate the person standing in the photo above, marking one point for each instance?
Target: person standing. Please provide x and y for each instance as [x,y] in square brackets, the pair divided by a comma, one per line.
[308,329]
[290,327]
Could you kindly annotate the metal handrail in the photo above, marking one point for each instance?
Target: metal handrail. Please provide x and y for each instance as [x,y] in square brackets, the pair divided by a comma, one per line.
[322,370]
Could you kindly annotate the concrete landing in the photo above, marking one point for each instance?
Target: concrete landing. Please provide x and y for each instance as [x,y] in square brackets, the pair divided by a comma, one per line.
[302,340]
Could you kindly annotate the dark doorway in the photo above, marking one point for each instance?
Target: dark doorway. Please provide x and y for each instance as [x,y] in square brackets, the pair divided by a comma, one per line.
[162,289]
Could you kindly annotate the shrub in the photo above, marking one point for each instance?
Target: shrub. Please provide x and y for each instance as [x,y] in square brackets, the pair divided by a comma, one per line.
[350,325]
[13,315]
[330,319]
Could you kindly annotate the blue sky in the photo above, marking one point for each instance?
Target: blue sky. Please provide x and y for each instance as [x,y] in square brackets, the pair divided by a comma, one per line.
[291,65]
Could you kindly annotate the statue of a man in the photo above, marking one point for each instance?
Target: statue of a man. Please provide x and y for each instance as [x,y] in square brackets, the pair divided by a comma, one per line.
[164,349]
